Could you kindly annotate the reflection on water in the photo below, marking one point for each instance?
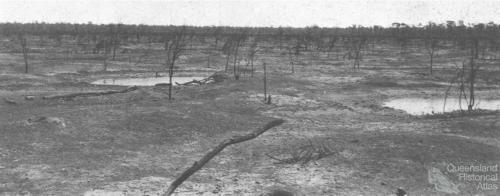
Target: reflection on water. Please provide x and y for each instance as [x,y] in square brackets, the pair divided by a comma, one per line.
[419,106]
[145,81]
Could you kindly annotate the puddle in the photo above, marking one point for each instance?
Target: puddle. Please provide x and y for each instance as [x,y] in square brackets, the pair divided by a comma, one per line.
[420,106]
[144,81]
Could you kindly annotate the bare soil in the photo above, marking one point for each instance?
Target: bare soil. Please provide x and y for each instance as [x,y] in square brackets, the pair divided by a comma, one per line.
[136,143]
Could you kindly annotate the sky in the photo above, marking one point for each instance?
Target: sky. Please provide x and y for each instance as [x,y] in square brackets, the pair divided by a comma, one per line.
[292,13]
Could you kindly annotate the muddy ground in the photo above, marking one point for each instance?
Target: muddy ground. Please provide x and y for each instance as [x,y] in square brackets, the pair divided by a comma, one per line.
[136,143]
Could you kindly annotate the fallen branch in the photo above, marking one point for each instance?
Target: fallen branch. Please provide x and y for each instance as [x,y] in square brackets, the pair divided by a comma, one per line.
[234,140]
[10,101]
[198,82]
[89,94]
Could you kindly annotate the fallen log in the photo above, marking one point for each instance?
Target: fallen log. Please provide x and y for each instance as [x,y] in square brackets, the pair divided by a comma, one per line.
[162,84]
[234,140]
[89,94]
[198,82]
[10,101]
[29,97]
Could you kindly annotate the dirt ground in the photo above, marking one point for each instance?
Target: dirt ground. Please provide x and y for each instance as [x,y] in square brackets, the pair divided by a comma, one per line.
[136,143]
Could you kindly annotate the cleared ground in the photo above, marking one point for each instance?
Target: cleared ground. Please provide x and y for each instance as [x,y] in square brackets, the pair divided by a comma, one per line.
[137,143]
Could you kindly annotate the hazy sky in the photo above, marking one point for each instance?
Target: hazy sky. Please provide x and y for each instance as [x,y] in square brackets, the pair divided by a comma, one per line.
[250,12]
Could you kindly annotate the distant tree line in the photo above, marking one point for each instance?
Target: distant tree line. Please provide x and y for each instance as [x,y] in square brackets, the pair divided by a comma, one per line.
[448,31]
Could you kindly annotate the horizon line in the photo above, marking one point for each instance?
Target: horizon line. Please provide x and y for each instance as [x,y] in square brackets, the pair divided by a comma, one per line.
[233,26]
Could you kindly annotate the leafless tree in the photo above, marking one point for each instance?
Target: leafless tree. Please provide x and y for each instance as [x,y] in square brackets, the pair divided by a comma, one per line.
[280,34]
[431,45]
[473,68]
[226,49]
[24,48]
[105,55]
[252,51]
[466,80]
[290,55]
[265,80]
[331,45]
[115,39]
[174,46]
[231,48]
[294,51]
[217,35]
[354,52]
[239,39]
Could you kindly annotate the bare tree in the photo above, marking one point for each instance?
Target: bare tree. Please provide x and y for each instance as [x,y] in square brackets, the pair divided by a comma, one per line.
[115,33]
[174,47]
[431,45]
[265,81]
[280,34]
[294,51]
[252,51]
[226,49]
[239,39]
[355,48]
[105,56]
[331,45]
[290,55]
[472,80]
[24,48]
[466,79]
[217,35]
[230,48]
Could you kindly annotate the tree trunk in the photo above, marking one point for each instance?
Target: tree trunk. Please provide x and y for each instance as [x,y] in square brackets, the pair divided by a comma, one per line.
[432,60]
[472,78]
[115,45]
[265,81]
[251,63]
[235,59]
[227,62]
[170,76]
[105,63]
[25,56]
[24,49]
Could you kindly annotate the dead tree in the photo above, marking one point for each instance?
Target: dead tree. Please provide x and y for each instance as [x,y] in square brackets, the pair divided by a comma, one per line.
[472,80]
[239,39]
[331,45]
[252,51]
[280,34]
[355,48]
[403,45]
[24,48]
[265,80]
[431,45]
[211,154]
[105,57]
[230,48]
[217,35]
[290,55]
[174,47]
[115,30]
[226,49]
[466,79]
[295,52]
